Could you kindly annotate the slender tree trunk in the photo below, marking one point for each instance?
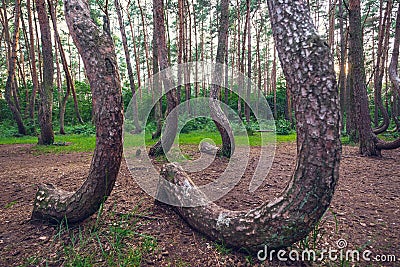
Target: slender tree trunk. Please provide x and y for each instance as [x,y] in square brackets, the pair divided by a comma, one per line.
[380,70]
[239,59]
[181,40]
[146,45]
[356,53]
[296,212]
[157,87]
[138,129]
[168,137]
[98,53]
[59,89]
[273,83]
[219,117]
[68,76]
[342,73]
[248,86]
[393,73]
[135,50]
[10,83]
[46,136]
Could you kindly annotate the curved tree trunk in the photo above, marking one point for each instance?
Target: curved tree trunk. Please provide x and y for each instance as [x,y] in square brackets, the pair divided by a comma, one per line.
[98,54]
[370,144]
[8,94]
[380,70]
[309,70]
[219,117]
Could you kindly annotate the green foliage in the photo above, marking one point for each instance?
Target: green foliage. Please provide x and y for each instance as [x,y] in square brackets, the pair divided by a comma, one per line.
[283,127]
[222,248]
[8,129]
[85,129]
[5,112]
[200,123]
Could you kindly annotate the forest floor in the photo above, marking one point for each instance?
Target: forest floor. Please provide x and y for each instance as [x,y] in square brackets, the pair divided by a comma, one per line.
[132,230]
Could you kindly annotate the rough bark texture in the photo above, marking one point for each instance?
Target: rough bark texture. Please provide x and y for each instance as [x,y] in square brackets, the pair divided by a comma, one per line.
[156,85]
[308,67]
[380,70]
[219,117]
[10,83]
[356,53]
[98,54]
[45,115]
[35,79]
[168,137]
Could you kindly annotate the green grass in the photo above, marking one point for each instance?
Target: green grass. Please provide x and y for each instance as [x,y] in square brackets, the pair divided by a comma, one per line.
[113,242]
[86,143]
[74,143]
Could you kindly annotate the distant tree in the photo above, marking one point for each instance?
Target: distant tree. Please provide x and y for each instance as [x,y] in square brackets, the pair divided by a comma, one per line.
[117,4]
[98,53]
[168,137]
[46,136]
[10,90]
[370,144]
[219,117]
[393,73]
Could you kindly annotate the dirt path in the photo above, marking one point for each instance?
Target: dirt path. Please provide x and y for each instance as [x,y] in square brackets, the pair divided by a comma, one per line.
[366,206]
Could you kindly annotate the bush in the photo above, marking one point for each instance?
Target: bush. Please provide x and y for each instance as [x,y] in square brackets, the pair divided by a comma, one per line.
[283,127]
[85,129]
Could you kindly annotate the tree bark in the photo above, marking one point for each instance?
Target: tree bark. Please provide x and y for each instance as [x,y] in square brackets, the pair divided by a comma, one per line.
[356,53]
[46,136]
[158,114]
[380,70]
[393,74]
[138,129]
[68,76]
[309,69]
[218,116]
[98,53]
[168,137]
[12,61]
[342,73]
[248,85]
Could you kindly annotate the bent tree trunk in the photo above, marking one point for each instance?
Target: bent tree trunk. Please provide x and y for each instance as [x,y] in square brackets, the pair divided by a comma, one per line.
[219,117]
[370,144]
[309,70]
[11,72]
[98,54]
